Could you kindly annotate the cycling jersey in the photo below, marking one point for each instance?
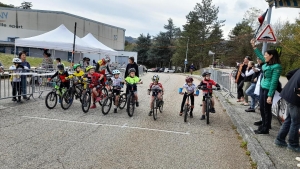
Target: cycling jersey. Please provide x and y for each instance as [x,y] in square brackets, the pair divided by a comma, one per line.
[132,80]
[61,75]
[190,89]
[94,78]
[207,84]
[158,85]
[116,82]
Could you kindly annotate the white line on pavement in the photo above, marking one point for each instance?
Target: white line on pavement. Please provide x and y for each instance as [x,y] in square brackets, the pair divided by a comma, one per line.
[109,125]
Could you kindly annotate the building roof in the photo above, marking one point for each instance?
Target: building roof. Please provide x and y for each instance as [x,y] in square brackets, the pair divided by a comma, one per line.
[58,12]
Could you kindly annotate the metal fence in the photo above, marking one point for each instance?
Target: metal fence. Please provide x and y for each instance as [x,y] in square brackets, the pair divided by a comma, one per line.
[226,80]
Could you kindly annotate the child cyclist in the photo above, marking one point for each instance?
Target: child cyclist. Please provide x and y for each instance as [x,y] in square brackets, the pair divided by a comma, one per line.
[117,83]
[205,84]
[95,84]
[61,74]
[133,79]
[79,74]
[190,89]
[154,85]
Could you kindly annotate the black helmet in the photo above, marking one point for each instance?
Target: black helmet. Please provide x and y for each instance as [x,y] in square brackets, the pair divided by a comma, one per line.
[131,70]
[205,73]
[60,67]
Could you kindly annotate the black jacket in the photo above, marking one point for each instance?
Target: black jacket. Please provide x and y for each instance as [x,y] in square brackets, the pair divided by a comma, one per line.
[129,66]
[256,74]
[287,92]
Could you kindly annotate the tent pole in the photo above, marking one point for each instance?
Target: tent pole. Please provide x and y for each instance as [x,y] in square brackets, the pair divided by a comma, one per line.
[73,52]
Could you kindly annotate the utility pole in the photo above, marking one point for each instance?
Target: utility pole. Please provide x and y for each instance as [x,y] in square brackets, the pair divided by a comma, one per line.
[187,48]
[264,48]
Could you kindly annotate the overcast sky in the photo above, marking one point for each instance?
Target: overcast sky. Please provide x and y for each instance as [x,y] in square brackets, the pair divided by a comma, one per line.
[144,16]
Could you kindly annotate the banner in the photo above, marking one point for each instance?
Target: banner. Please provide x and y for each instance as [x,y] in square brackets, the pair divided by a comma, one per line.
[285,3]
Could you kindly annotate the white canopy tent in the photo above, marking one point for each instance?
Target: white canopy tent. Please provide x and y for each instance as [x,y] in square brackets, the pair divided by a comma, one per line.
[58,39]
[92,41]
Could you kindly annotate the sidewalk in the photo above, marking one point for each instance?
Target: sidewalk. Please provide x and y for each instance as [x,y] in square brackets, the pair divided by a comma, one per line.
[262,149]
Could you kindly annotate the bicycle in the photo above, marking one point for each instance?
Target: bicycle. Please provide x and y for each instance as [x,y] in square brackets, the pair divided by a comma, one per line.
[208,102]
[131,99]
[75,90]
[156,104]
[86,98]
[111,98]
[52,95]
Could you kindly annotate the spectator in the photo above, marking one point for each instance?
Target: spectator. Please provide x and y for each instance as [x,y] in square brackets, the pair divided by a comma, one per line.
[22,56]
[86,62]
[131,64]
[1,68]
[250,90]
[215,64]
[94,62]
[192,68]
[272,70]
[291,94]
[47,61]
[247,81]
[58,61]
[239,78]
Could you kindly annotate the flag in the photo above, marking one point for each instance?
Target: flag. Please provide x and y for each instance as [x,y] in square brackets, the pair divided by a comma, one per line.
[261,18]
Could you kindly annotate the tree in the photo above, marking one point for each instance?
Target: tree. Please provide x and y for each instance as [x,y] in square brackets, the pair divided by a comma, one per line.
[251,16]
[26,5]
[5,5]
[143,44]
[129,46]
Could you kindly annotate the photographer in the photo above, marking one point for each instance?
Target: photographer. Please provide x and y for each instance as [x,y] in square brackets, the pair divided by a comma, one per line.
[291,94]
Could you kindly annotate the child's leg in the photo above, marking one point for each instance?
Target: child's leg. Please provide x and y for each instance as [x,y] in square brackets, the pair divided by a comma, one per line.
[14,91]
[19,89]
[212,102]
[192,103]
[117,100]
[136,97]
[151,101]
[203,107]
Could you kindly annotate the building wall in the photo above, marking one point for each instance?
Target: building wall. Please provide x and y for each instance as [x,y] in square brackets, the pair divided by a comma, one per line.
[27,23]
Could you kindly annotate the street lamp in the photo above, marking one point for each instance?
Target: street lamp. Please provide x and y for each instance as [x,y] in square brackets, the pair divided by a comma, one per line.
[212,53]
[187,48]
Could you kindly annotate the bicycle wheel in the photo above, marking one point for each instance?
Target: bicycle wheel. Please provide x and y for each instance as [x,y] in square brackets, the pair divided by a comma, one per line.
[122,101]
[207,110]
[86,101]
[67,99]
[106,105]
[186,111]
[154,108]
[104,94]
[161,107]
[130,105]
[51,100]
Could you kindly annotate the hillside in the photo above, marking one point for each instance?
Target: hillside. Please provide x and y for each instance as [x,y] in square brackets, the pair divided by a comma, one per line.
[130,39]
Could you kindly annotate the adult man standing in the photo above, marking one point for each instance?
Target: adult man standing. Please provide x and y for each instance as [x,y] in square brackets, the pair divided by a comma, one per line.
[192,68]
[22,56]
[130,65]
[291,94]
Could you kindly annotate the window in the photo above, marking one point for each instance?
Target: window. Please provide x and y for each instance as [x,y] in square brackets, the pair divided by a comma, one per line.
[115,37]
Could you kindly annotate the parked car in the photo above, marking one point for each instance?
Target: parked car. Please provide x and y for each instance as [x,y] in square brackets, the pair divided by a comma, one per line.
[167,70]
[161,69]
[156,69]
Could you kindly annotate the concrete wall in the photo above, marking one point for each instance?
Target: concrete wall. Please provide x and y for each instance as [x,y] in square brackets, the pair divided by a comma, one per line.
[27,23]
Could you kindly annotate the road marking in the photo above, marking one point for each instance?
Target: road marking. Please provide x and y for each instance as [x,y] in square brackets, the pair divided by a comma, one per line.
[108,125]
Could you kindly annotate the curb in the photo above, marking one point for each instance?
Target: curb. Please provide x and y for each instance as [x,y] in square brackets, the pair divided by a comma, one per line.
[258,154]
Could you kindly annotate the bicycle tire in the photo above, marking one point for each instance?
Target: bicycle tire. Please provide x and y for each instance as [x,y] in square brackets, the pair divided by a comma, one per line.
[186,111]
[130,105]
[122,100]
[207,110]
[107,102]
[67,97]
[154,108]
[104,94]
[86,101]
[51,95]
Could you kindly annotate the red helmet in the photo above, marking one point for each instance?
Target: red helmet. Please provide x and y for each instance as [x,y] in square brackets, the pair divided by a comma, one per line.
[189,79]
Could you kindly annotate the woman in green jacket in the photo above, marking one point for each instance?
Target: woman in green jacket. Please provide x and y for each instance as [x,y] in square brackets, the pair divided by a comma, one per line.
[271,73]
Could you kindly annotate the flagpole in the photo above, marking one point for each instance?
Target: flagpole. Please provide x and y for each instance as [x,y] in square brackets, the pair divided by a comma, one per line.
[264,48]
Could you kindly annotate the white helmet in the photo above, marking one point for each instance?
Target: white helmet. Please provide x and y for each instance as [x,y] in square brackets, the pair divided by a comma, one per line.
[155,78]
[16,60]
[116,72]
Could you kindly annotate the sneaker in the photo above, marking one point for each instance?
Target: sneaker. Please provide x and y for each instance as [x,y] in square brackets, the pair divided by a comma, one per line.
[19,101]
[250,110]
[137,104]
[202,117]
[98,99]
[26,98]
[93,106]
[115,110]
[280,144]
[14,99]
[191,115]
[180,114]
[150,113]
[258,123]
[212,110]
[295,149]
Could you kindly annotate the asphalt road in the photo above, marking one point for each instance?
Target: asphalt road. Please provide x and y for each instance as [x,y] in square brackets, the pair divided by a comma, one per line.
[34,137]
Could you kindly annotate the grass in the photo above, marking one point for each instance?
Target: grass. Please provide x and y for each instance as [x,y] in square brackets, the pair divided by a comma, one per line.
[244,144]
[6,59]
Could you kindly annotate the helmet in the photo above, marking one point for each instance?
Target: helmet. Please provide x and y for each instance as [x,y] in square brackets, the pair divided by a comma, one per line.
[189,79]
[155,78]
[16,60]
[205,73]
[131,70]
[60,67]
[107,59]
[89,68]
[76,66]
[116,72]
